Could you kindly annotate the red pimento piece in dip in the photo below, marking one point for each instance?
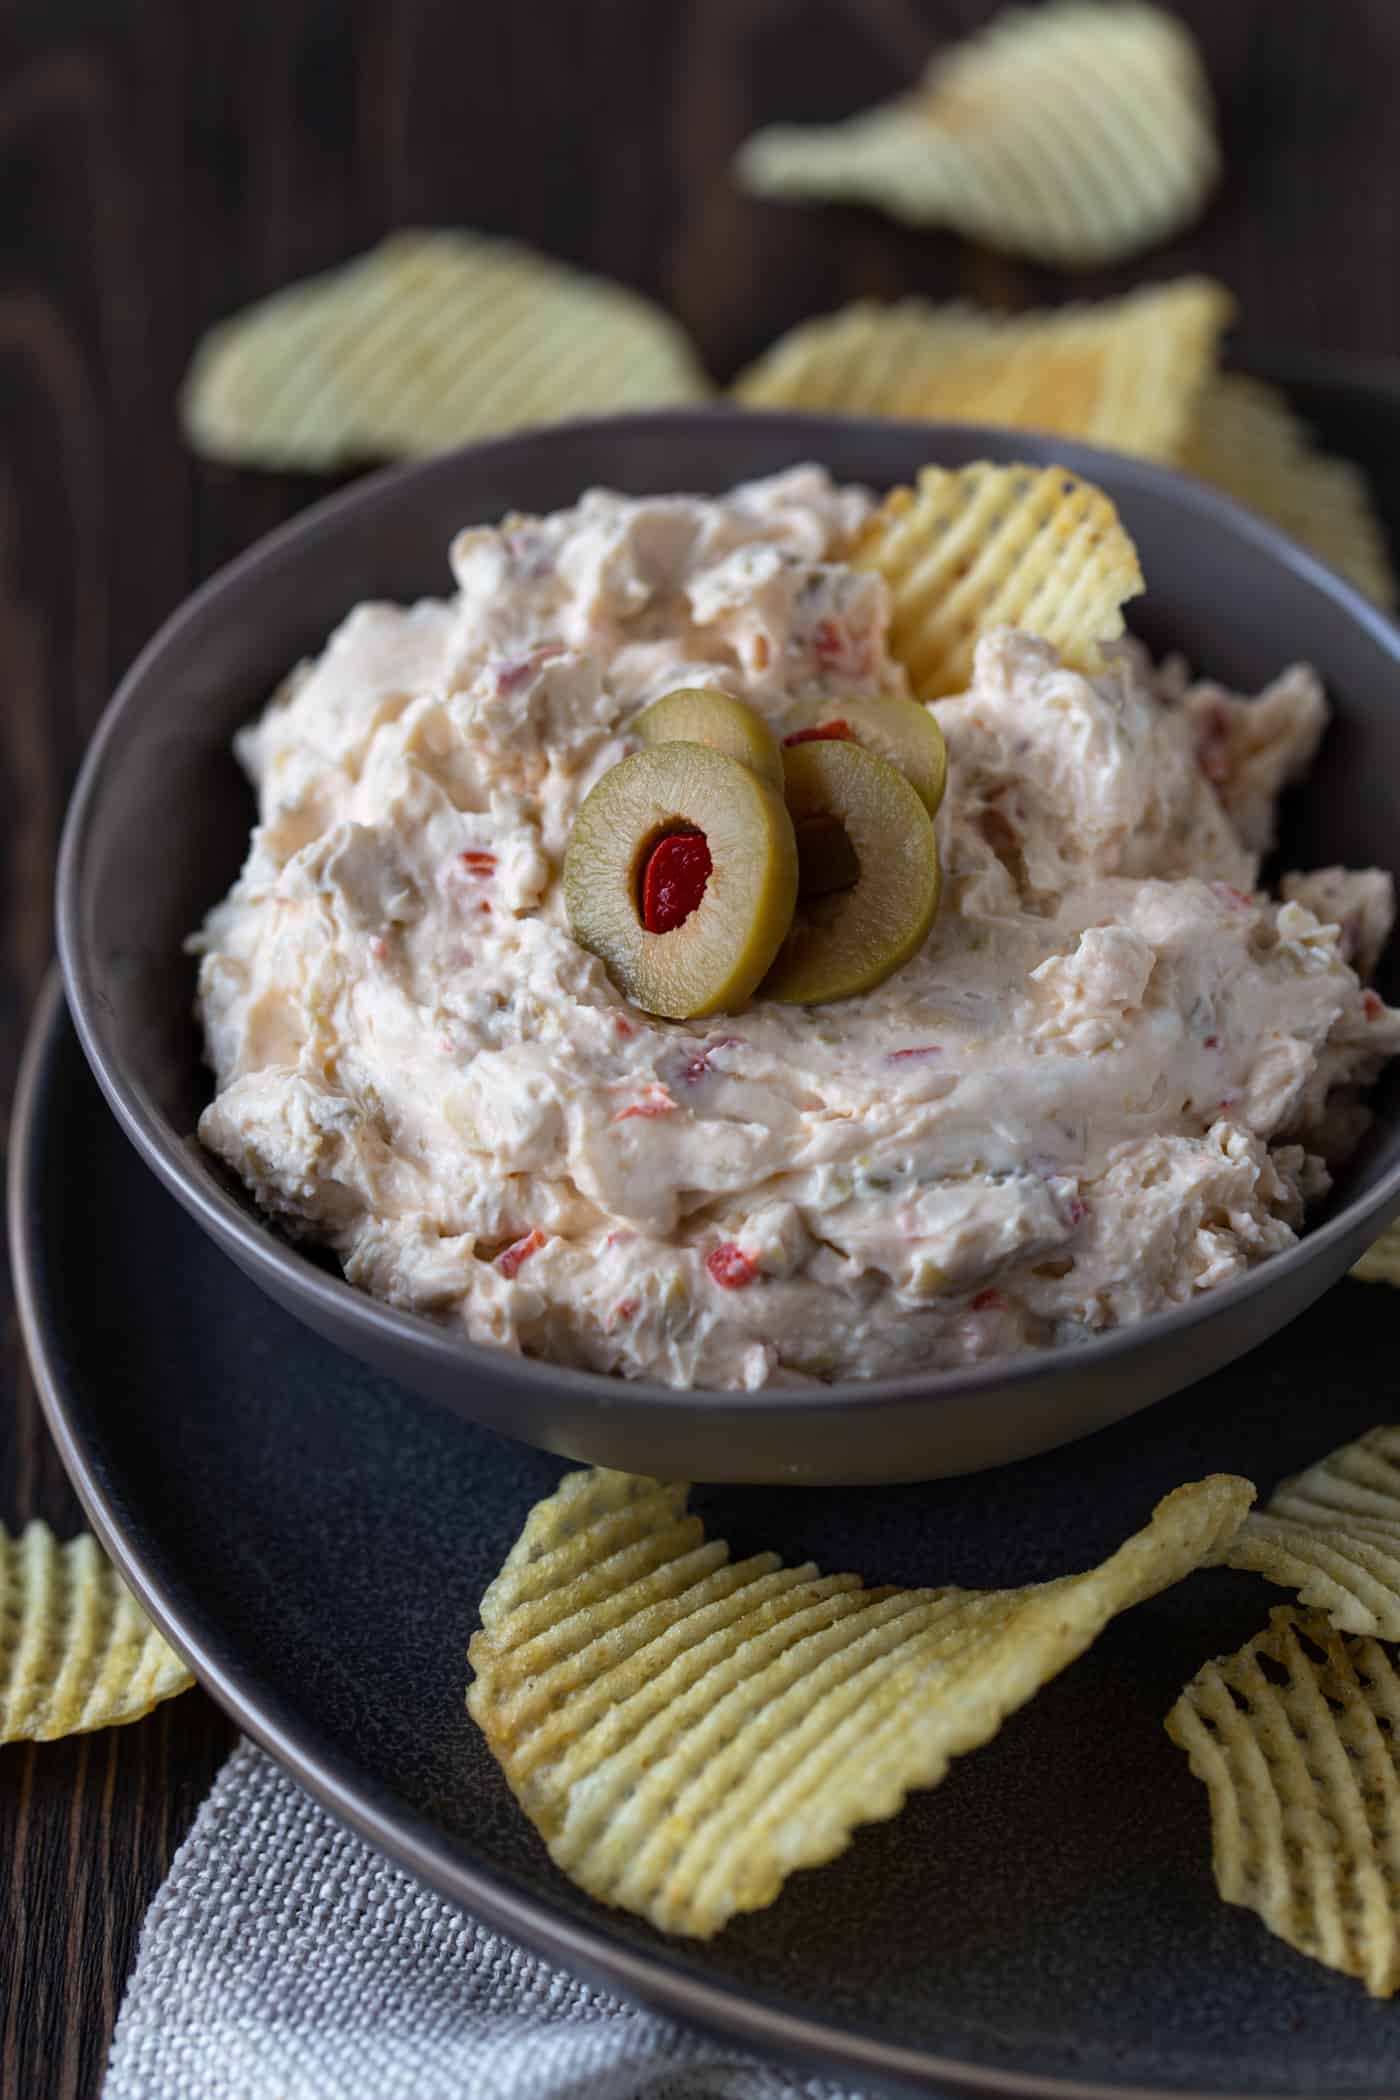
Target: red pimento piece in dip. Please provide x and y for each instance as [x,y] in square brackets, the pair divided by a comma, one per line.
[730,1267]
[511,675]
[475,863]
[693,1072]
[655,1102]
[509,1261]
[988,1300]
[836,732]
[828,639]
[674,880]
[1372,1005]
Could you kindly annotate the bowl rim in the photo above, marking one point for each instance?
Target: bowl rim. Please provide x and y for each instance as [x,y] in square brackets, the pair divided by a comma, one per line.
[274,1262]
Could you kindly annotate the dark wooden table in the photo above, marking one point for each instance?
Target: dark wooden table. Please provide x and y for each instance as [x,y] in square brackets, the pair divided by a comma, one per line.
[162,161]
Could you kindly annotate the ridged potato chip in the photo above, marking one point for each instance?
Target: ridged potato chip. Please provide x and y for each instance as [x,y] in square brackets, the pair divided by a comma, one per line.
[76,1650]
[1247,441]
[430,340]
[1333,1535]
[1294,1738]
[1126,373]
[1076,133]
[1381,1261]
[984,546]
[685,1731]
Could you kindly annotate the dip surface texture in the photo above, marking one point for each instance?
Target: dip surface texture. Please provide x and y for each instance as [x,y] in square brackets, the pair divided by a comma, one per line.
[1111,1078]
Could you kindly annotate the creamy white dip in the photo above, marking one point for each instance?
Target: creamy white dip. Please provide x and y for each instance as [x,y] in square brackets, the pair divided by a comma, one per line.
[1110,1080]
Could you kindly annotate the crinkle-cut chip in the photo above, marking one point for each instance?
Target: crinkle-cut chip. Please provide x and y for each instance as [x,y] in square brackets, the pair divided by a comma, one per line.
[76,1649]
[686,1731]
[1079,132]
[984,546]
[1295,1739]
[1125,373]
[1381,1261]
[1247,441]
[1333,1535]
[430,340]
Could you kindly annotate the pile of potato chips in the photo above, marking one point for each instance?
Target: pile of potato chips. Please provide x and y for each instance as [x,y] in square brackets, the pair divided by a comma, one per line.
[437,339]
[1295,1737]
[686,1731]
[1139,375]
[1075,133]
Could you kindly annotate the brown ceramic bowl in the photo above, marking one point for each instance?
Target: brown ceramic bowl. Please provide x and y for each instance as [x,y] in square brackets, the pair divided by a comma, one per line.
[159,824]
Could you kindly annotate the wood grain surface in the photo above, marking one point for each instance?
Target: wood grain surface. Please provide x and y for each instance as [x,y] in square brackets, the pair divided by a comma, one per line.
[163,161]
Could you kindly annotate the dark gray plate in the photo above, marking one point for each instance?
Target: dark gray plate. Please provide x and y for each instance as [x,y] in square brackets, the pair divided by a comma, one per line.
[159,825]
[316,1540]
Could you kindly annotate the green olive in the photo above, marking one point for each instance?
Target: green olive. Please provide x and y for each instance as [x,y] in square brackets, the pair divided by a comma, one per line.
[851,941]
[695,715]
[902,732]
[715,957]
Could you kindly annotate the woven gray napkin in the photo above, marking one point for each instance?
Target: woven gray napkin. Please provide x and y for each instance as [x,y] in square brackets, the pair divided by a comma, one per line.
[285,1960]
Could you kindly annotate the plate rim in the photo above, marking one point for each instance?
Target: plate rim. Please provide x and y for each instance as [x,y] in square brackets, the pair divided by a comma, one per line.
[766,2026]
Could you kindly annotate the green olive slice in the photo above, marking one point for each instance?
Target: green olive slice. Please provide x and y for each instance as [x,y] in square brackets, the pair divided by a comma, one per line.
[849,942]
[695,715]
[716,958]
[902,732]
